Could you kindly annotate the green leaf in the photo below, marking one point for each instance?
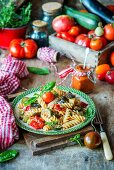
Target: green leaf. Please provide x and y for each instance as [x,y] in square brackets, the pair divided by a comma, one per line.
[77,139]
[8,155]
[48,87]
[88,112]
[39,71]
[30,101]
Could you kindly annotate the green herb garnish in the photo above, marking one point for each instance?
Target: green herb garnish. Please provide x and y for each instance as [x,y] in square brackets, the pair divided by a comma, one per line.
[77,139]
[48,87]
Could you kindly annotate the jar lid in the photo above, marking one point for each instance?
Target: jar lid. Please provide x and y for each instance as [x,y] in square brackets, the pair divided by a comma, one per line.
[51,7]
[39,23]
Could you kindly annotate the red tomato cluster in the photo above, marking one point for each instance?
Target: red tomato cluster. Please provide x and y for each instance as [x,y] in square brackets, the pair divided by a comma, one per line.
[81,36]
[104,73]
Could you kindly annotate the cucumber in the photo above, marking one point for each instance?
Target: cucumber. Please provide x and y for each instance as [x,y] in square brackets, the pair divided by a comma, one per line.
[97,8]
[87,20]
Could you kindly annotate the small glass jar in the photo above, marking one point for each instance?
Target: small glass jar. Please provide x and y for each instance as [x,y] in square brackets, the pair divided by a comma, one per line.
[83,79]
[50,11]
[39,33]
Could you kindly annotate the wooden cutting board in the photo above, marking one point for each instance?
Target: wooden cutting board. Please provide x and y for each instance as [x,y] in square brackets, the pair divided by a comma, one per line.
[40,144]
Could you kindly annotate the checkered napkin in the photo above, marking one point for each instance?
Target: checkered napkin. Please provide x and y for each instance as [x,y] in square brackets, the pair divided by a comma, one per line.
[11,71]
[8,128]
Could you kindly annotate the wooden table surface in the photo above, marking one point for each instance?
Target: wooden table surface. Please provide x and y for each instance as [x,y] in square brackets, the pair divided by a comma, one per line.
[69,158]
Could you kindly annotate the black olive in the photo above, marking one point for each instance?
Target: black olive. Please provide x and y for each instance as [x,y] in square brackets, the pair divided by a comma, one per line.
[70,95]
[35,105]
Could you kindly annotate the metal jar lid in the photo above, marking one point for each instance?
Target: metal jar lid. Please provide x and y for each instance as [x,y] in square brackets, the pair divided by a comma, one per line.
[39,23]
[51,7]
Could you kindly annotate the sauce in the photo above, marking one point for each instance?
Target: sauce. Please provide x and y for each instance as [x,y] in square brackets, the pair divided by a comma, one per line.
[81,80]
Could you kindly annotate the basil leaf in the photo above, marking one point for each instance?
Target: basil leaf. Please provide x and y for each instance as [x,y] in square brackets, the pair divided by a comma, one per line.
[30,101]
[8,155]
[39,71]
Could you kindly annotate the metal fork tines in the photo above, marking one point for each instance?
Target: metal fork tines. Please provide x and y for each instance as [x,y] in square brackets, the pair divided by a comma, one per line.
[98,120]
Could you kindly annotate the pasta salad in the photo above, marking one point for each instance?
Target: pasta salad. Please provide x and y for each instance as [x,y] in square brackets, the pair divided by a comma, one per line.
[53,110]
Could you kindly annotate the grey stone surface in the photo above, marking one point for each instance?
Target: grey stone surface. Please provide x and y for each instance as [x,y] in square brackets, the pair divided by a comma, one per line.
[70,158]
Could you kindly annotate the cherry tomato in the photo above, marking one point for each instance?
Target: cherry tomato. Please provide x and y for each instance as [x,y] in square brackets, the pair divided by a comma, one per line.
[96,44]
[48,97]
[67,36]
[92,140]
[102,69]
[101,76]
[20,48]
[109,32]
[34,124]
[112,58]
[110,77]
[75,30]
[111,7]
[83,40]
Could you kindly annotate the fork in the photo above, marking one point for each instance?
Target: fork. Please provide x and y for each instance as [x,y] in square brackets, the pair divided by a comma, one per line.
[106,146]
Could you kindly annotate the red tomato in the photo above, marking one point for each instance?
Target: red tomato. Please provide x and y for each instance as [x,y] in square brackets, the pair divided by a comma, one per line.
[58,35]
[112,58]
[67,36]
[48,97]
[96,44]
[91,34]
[83,40]
[109,32]
[101,76]
[57,107]
[102,69]
[110,77]
[92,140]
[62,23]
[20,48]
[34,124]
[111,7]
[75,30]
[104,41]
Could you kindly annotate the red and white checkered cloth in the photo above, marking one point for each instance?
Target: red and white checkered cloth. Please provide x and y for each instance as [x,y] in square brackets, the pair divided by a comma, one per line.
[8,128]
[11,71]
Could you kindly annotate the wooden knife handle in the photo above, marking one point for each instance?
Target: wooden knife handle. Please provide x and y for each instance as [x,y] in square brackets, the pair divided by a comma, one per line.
[106,146]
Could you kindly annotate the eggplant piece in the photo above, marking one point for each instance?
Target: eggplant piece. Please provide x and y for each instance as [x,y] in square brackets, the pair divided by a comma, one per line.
[97,8]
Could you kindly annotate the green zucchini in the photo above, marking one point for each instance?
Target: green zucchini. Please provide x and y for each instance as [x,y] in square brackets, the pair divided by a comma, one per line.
[87,20]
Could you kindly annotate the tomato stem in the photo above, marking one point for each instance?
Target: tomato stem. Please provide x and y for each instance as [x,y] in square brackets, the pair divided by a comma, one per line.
[22,44]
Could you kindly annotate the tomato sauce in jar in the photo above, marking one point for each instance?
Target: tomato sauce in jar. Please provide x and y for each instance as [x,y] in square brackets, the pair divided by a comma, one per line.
[82,79]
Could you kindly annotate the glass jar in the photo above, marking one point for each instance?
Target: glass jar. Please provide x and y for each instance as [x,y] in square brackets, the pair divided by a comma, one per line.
[83,79]
[39,33]
[50,11]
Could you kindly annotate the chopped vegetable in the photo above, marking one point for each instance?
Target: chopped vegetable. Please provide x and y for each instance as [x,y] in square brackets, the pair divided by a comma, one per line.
[39,71]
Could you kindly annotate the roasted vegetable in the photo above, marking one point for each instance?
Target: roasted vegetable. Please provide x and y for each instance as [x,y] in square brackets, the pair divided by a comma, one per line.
[85,19]
[97,8]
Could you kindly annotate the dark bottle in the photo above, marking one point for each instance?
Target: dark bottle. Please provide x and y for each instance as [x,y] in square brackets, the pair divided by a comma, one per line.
[39,33]
[50,11]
